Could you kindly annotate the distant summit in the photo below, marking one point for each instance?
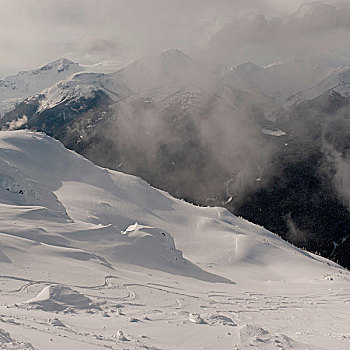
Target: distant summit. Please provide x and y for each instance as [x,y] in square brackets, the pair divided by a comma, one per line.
[62,64]
[15,88]
[175,55]
[248,67]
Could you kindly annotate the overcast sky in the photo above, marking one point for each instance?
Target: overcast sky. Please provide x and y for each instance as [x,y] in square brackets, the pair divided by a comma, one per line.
[35,32]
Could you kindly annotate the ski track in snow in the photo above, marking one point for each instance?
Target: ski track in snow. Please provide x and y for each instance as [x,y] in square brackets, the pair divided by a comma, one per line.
[138,309]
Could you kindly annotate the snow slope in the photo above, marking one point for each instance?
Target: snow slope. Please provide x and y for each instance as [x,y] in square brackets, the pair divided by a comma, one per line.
[15,88]
[92,258]
[338,80]
[81,85]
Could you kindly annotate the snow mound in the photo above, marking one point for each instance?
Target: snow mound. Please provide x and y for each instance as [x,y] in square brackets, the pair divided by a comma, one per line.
[151,244]
[220,320]
[255,337]
[120,336]
[7,343]
[56,322]
[212,319]
[59,298]
[197,319]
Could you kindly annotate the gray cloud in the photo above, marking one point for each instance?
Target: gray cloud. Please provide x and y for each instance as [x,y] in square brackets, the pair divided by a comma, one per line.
[316,30]
[33,32]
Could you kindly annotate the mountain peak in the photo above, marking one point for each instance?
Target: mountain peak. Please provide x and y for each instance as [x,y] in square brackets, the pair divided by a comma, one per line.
[15,88]
[175,55]
[60,64]
[248,67]
[63,60]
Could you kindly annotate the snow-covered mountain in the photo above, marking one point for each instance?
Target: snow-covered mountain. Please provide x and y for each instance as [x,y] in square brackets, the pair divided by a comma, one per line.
[15,88]
[79,86]
[280,79]
[60,104]
[170,68]
[201,132]
[93,258]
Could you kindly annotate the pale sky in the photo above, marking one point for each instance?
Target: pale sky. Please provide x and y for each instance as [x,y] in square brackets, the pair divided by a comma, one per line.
[35,32]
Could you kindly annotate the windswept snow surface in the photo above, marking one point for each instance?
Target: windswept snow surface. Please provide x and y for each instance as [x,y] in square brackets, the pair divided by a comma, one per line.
[95,259]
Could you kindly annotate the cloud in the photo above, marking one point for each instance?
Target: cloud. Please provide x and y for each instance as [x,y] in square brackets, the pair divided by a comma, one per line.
[316,30]
[33,32]
[16,124]
[340,161]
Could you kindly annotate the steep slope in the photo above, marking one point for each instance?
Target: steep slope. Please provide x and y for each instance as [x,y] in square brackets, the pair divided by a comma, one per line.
[314,160]
[124,260]
[15,88]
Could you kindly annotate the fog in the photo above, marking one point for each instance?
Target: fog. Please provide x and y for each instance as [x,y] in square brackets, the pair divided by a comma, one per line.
[341,164]
[34,32]
[184,129]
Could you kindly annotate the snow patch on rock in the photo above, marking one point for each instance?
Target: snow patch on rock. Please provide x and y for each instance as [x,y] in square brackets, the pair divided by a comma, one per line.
[277,133]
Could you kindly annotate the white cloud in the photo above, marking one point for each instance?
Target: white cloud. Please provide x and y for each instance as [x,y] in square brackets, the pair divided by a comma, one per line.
[16,124]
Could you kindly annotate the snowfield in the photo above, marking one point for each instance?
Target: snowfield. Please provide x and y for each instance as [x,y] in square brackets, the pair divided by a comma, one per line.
[93,259]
